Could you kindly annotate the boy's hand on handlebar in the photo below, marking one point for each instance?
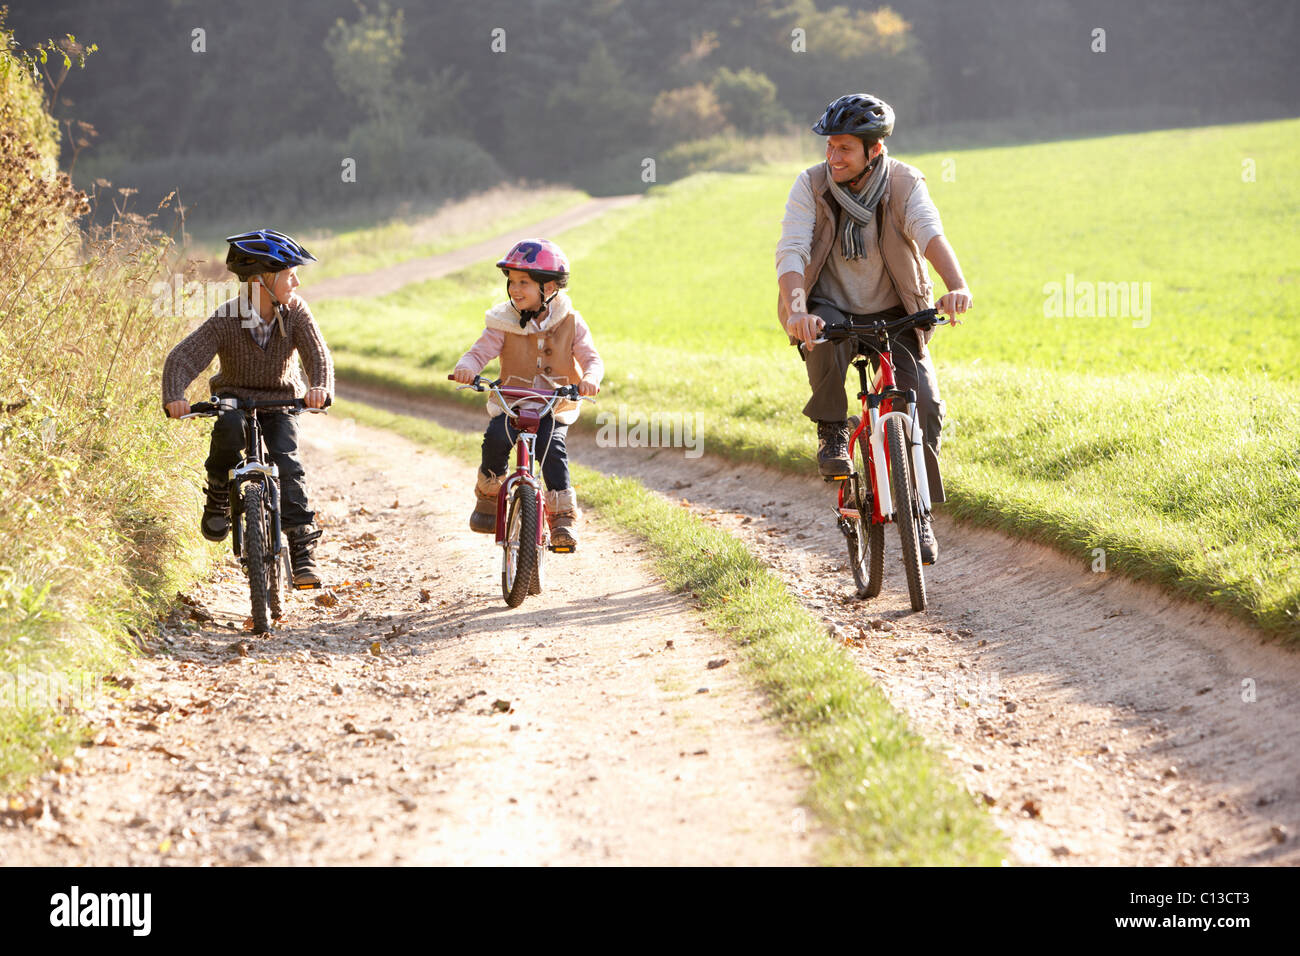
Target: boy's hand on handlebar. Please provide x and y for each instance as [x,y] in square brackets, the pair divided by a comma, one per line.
[462,375]
[804,327]
[316,398]
[178,409]
[954,304]
[588,388]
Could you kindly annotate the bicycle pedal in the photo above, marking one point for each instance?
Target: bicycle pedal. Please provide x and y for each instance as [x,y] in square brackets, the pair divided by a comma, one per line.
[307,587]
[559,549]
[834,478]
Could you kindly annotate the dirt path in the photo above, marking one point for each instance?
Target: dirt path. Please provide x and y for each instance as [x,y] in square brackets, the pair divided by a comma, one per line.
[392,278]
[419,720]
[1103,721]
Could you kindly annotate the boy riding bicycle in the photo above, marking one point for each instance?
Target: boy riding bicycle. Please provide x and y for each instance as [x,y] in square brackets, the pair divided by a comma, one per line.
[542,343]
[855,230]
[258,337]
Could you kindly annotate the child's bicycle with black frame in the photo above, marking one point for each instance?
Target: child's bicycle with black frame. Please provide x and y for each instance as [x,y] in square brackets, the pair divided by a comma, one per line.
[523,530]
[255,535]
[888,482]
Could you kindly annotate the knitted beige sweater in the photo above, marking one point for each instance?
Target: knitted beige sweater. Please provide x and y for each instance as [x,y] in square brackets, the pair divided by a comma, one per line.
[247,370]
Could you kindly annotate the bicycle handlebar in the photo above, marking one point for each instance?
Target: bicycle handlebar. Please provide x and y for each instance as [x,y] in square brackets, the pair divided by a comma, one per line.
[925,319]
[215,406]
[564,391]
[506,392]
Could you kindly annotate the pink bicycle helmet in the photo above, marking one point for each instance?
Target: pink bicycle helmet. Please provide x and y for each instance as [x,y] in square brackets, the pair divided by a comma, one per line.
[540,258]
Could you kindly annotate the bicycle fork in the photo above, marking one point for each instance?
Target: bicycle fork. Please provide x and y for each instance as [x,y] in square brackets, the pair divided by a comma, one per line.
[266,474]
[912,428]
[523,472]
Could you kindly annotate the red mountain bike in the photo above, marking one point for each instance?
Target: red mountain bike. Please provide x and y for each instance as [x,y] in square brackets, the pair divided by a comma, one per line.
[888,482]
[522,529]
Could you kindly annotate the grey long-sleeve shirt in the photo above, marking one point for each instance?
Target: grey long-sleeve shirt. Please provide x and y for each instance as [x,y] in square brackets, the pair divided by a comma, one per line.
[860,286]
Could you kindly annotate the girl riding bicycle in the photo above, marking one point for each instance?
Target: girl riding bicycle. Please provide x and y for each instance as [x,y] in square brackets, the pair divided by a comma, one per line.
[258,338]
[542,343]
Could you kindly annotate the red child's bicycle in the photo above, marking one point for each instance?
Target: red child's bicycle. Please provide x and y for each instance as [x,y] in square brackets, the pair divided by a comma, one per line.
[888,482]
[522,529]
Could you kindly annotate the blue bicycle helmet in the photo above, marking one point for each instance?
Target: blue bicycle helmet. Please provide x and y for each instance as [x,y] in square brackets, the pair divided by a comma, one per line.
[264,250]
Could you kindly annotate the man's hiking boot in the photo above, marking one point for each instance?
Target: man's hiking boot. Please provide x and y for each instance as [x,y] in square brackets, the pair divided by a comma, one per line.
[302,542]
[215,523]
[562,514]
[925,538]
[833,449]
[483,518]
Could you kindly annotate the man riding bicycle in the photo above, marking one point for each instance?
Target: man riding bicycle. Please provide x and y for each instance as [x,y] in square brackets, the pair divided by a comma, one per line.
[851,246]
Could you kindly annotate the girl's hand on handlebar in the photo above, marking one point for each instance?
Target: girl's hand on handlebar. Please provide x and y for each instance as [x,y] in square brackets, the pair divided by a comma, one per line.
[588,388]
[178,409]
[462,375]
[954,304]
[804,327]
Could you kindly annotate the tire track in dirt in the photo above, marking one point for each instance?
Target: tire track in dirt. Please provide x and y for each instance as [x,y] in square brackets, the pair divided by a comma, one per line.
[391,278]
[1104,721]
[421,721]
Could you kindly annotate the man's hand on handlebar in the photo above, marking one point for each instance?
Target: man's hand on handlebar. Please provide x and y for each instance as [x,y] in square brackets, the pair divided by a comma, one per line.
[954,304]
[316,398]
[804,327]
[178,408]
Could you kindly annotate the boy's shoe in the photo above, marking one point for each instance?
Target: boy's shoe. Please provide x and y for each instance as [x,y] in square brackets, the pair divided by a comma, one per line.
[833,449]
[302,542]
[483,519]
[562,515]
[925,538]
[215,524]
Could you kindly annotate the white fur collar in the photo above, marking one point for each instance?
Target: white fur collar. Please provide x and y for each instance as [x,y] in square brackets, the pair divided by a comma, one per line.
[503,316]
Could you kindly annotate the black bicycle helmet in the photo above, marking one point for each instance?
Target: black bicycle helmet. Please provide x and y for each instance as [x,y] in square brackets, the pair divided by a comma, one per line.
[857,114]
[264,250]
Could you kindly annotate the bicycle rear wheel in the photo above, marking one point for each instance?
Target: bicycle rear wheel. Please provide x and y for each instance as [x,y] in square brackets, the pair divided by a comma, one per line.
[869,566]
[519,550]
[259,563]
[905,510]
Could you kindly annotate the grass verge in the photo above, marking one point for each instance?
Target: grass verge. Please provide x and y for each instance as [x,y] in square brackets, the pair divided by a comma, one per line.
[885,797]
[99,491]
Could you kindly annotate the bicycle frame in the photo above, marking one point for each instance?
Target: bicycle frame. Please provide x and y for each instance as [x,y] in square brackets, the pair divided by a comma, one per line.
[527,420]
[879,406]
[526,407]
[252,468]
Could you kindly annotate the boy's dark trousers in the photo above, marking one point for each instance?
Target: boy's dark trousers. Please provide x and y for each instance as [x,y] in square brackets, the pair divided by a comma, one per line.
[500,438]
[280,434]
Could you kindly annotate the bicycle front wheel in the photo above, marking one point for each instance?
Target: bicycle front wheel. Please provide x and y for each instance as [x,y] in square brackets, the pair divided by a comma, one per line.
[519,550]
[906,512]
[259,563]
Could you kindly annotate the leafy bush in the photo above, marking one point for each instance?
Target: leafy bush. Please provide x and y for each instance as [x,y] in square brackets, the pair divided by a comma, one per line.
[748,99]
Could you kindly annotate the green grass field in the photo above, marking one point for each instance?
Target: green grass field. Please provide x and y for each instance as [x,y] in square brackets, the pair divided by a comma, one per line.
[1170,439]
